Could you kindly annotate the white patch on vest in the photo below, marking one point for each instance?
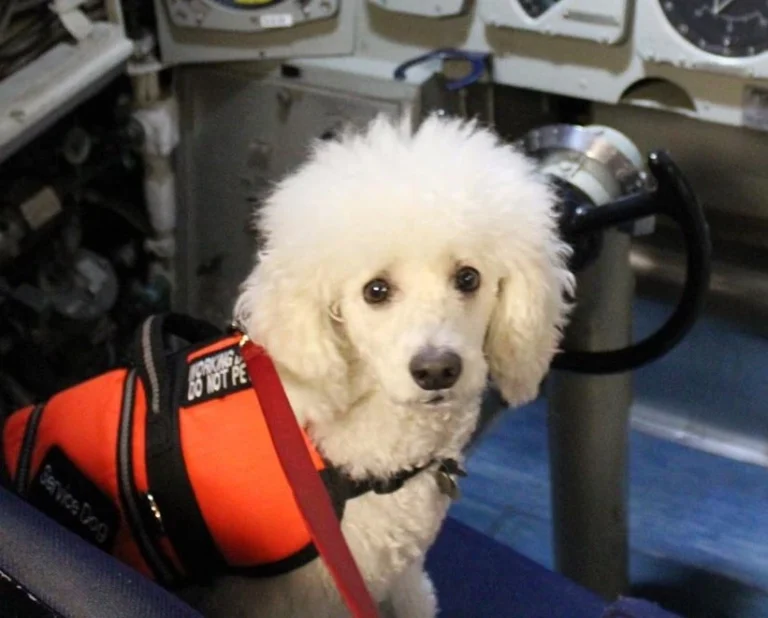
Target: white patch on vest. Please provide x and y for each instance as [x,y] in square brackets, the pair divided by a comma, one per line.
[216,375]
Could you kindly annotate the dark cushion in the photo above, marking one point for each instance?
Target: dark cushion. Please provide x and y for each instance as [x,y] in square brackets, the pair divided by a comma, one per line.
[68,577]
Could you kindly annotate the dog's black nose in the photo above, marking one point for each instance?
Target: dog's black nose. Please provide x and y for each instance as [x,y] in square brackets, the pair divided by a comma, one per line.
[435,368]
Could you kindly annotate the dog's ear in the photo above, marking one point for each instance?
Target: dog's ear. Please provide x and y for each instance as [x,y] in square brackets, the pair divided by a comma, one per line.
[526,324]
[289,316]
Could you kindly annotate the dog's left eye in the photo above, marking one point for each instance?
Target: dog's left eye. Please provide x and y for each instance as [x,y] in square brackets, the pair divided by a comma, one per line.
[467,279]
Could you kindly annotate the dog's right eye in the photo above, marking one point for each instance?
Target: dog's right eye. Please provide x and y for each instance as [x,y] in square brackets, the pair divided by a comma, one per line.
[376,291]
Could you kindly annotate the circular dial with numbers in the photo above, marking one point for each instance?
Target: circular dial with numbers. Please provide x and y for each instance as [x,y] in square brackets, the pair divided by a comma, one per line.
[536,8]
[731,28]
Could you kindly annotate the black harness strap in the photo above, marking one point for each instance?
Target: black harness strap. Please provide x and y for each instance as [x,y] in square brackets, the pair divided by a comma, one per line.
[169,482]
[139,520]
[24,465]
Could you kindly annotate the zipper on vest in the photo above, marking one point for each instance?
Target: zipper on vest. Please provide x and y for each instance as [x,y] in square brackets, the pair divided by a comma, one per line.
[129,496]
[27,446]
[149,365]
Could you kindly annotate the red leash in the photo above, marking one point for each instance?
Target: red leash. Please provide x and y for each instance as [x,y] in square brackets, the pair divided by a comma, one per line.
[310,493]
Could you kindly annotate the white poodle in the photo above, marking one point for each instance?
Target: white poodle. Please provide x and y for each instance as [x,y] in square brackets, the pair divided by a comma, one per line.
[399,270]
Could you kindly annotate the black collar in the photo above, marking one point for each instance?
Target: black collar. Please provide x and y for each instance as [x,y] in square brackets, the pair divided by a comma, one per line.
[349,488]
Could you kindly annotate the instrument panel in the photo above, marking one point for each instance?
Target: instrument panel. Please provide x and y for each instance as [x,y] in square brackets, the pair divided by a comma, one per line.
[720,36]
[603,22]
[248,15]
[706,59]
[433,8]
[703,58]
[201,31]
[726,36]
[729,28]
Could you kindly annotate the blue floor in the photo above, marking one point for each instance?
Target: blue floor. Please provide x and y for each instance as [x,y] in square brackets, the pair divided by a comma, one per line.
[713,384]
[699,522]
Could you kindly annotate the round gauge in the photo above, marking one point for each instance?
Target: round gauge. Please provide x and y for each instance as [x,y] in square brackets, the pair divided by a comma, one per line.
[732,28]
[245,4]
[536,8]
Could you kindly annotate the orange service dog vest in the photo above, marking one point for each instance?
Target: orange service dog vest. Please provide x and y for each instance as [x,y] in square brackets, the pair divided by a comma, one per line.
[166,463]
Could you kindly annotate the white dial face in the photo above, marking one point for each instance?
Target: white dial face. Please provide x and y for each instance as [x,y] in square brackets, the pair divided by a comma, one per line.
[732,28]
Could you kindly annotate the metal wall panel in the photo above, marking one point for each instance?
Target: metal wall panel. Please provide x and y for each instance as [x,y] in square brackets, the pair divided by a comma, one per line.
[241,130]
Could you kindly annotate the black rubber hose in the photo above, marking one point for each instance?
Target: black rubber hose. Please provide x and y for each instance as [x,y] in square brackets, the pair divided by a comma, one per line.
[674,198]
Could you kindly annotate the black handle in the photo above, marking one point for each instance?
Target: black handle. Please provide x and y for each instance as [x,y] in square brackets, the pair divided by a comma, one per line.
[674,198]
[151,347]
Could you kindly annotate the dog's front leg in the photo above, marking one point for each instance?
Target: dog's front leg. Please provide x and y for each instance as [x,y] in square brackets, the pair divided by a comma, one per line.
[412,594]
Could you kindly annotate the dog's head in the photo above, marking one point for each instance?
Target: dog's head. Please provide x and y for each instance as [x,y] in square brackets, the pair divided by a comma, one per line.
[413,264]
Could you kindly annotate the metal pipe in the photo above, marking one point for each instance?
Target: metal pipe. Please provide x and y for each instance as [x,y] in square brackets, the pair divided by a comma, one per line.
[588,431]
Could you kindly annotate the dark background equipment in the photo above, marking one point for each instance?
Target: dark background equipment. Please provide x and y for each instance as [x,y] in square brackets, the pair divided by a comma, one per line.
[74,279]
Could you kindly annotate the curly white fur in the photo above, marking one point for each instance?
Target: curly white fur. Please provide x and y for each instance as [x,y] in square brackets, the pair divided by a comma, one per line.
[410,207]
